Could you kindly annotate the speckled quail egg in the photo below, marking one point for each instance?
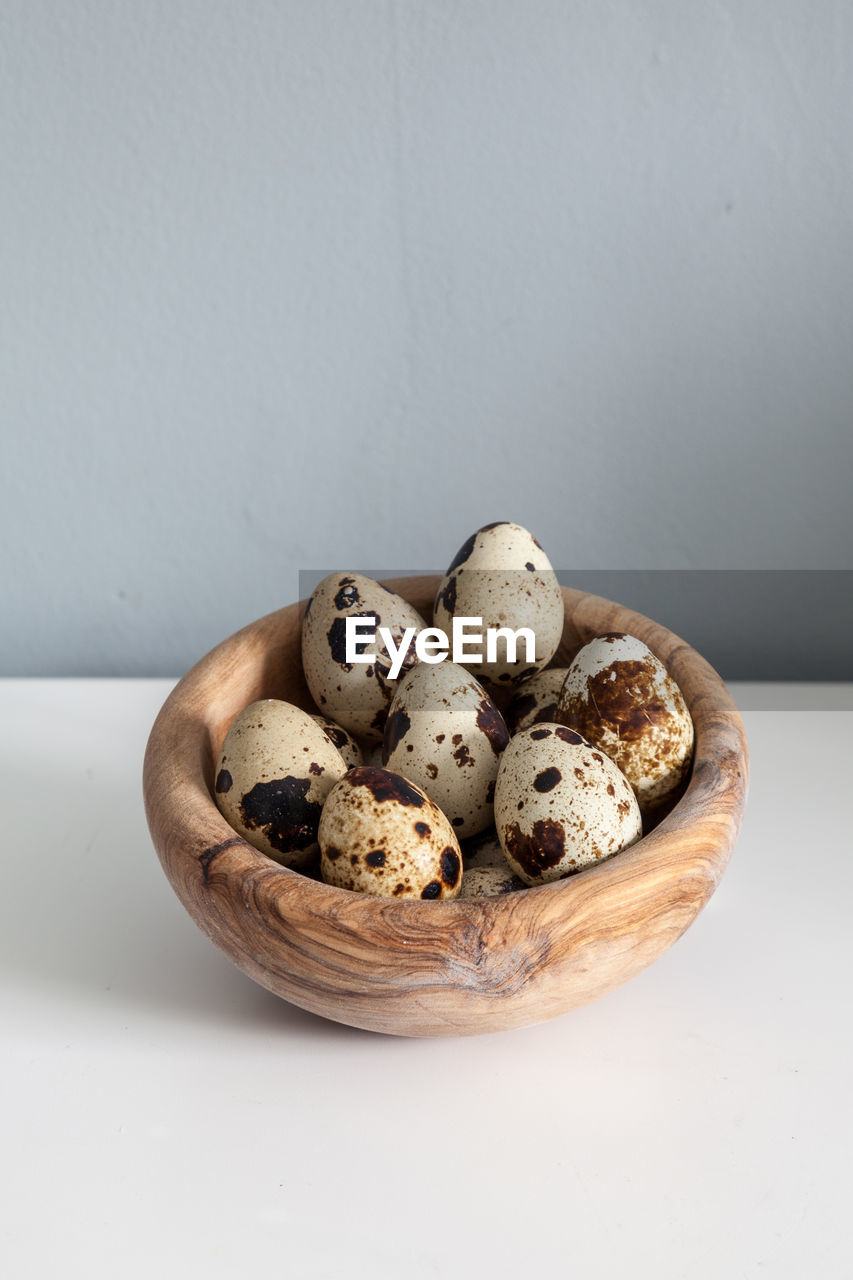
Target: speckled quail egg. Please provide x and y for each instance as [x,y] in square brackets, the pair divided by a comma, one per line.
[502,575]
[354,694]
[444,733]
[536,699]
[560,804]
[381,834]
[345,742]
[483,850]
[275,770]
[620,696]
[489,882]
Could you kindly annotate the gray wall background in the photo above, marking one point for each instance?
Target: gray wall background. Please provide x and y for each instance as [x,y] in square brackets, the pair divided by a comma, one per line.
[291,285]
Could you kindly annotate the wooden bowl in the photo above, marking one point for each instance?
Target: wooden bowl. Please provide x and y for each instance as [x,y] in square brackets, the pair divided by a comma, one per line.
[436,967]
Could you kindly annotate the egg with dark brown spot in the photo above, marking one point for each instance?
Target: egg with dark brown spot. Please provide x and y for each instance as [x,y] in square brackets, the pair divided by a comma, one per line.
[502,575]
[490,882]
[380,834]
[345,742]
[274,771]
[561,805]
[621,697]
[483,850]
[536,699]
[444,732]
[355,694]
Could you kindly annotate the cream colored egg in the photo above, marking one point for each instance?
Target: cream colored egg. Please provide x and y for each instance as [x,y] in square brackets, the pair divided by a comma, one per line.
[620,696]
[489,882]
[444,733]
[345,742]
[354,694]
[502,575]
[275,770]
[381,834]
[536,699]
[560,804]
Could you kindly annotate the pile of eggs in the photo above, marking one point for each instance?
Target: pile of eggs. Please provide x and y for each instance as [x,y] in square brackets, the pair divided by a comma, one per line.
[457,780]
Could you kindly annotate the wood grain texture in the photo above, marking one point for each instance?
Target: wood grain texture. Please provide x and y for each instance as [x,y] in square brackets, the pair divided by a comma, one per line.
[448,967]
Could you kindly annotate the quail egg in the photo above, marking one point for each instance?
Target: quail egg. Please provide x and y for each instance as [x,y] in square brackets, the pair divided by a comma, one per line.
[619,696]
[502,575]
[275,770]
[536,699]
[483,850]
[356,694]
[489,882]
[561,804]
[444,733]
[381,834]
[345,742]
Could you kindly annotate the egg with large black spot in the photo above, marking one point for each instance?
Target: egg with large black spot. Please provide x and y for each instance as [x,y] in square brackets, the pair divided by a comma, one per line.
[381,834]
[490,882]
[445,733]
[482,850]
[502,575]
[272,776]
[536,699]
[355,694]
[340,738]
[561,804]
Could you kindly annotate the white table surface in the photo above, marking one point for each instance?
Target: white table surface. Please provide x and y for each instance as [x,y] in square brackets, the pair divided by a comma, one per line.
[163,1115]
